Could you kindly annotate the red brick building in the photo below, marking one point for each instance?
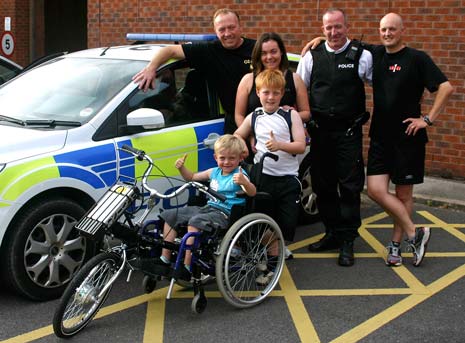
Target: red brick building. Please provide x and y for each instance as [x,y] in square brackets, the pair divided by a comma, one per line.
[436,27]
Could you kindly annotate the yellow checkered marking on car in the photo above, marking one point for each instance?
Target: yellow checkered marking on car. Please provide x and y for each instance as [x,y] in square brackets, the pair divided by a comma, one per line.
[166,148]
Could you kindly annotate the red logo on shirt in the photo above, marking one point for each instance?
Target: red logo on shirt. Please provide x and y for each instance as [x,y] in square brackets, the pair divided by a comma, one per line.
[394,68]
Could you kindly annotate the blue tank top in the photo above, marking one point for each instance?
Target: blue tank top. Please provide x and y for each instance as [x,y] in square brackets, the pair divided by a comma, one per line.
[225,185]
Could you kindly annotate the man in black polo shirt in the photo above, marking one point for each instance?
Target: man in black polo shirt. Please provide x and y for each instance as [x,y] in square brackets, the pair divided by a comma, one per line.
[334,73]
[223,62]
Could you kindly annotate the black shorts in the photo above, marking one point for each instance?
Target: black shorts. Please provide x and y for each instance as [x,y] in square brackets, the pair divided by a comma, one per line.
[404,163]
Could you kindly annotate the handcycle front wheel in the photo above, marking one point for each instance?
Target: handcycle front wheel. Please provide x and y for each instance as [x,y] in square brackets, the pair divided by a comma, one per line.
[245,275]
[80,301]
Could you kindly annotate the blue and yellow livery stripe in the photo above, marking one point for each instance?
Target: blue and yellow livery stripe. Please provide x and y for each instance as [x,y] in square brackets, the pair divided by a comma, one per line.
[17,179]
[95,166]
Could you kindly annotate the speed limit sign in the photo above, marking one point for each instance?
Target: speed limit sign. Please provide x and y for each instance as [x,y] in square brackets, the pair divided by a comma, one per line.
[8,43]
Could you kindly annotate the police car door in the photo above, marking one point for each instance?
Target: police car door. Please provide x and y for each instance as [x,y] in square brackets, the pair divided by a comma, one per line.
[191,125]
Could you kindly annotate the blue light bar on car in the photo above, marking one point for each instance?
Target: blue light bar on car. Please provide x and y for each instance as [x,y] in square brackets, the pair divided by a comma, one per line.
[182,37]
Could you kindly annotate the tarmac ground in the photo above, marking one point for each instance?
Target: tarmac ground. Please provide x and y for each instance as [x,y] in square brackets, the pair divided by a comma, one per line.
[315,300]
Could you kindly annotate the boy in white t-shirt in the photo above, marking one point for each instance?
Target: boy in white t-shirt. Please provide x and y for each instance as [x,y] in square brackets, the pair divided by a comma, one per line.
[282,133]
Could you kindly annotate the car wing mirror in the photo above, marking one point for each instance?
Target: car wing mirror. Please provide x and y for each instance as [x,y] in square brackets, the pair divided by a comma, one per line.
[147,118]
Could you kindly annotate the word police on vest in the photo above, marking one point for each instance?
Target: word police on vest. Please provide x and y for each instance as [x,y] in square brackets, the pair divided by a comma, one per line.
[345,66]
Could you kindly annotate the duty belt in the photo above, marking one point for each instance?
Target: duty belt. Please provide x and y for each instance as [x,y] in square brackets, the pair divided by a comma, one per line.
[334,122]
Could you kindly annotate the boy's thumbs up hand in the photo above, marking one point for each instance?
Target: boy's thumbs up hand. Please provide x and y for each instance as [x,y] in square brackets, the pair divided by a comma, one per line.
[239,178]
[180,161]
[271,134]
[272,144]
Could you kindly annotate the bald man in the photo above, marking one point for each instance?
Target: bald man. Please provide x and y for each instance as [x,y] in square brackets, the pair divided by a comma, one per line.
[398,131]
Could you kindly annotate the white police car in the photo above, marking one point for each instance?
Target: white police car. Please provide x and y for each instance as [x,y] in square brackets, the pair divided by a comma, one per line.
[8,69]
[60,126]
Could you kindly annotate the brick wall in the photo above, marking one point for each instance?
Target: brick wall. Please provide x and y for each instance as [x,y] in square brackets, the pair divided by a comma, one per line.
[18,11]
[436,27]
[433,26]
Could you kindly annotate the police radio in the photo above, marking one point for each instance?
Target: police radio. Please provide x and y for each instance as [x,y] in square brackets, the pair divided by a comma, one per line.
[354,49]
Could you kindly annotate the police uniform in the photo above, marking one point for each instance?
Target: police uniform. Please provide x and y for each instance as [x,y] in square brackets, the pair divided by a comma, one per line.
[224,68]
[335,82]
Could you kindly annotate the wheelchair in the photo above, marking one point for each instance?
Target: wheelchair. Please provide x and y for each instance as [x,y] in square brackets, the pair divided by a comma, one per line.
[235,256]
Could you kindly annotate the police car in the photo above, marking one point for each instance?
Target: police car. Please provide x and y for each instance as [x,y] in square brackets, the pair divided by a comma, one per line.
[61,124]
[8,69]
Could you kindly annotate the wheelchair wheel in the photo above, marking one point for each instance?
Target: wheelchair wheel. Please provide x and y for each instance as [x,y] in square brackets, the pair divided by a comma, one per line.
[149,284]
[80,301]
[242,267]
[199,303]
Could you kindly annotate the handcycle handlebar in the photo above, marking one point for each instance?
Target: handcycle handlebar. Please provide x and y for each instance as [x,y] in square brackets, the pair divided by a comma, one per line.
[269,154]
[141,155]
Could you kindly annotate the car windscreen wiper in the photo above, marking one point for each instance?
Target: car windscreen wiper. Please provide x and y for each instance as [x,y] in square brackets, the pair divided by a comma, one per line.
[12,120]
[51,122]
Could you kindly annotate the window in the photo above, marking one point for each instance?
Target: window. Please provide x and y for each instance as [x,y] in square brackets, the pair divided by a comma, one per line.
[180,94]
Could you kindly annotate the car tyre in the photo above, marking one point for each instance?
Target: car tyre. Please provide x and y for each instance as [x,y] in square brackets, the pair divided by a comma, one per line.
[308,209]
[43,249]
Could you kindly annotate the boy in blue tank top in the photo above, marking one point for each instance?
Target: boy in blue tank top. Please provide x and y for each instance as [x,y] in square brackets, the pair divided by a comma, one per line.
[227,178]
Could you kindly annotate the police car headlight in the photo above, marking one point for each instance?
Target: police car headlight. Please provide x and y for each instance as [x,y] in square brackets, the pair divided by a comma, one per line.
[2,166]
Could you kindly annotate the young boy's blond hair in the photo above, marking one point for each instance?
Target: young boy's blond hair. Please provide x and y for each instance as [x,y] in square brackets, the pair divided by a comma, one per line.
[271,78]
[229,142]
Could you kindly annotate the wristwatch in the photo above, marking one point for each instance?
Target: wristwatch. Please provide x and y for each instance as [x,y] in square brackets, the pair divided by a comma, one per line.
[427,120]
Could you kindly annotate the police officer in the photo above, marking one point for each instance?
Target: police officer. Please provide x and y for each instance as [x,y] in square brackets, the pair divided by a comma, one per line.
[334,74]
[223,62]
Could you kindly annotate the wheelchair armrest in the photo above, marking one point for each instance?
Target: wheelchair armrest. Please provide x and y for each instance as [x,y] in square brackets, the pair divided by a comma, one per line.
[262,196]
[241,194]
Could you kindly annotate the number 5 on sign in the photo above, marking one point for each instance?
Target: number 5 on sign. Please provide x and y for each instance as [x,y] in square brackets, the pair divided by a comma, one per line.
[8,43]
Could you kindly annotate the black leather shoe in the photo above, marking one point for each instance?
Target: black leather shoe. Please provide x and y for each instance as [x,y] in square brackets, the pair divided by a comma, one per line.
[346,254]
[328,242]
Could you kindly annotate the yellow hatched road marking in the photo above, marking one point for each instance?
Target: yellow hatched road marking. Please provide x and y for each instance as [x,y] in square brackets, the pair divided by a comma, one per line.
[416,292]
[442,224]
[352,292]
[299,314]
[155,319]
[401,271]
[384,317]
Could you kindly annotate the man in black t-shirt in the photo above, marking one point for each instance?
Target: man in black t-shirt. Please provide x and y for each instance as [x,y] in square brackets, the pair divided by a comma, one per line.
[223,62]
[398,131]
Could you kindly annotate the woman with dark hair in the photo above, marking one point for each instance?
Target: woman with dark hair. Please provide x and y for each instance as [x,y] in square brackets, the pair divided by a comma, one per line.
[270,53]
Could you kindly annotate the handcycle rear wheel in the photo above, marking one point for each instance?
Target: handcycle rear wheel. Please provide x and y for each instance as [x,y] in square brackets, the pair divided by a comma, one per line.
[80,301]
[243,256]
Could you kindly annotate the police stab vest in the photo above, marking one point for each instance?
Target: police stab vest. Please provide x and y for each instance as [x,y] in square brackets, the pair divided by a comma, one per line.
[336,91]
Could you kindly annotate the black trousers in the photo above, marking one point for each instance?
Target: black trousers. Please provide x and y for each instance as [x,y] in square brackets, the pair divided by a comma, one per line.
[284,206]
[337,179]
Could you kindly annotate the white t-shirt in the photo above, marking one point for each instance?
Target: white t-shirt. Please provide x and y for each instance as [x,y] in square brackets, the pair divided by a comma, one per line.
[287,164]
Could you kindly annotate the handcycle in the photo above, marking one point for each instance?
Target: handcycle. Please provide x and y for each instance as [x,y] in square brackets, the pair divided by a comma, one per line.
[235,256]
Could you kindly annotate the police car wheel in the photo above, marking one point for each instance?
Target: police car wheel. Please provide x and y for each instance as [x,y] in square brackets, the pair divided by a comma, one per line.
[44,249]
[308,209]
